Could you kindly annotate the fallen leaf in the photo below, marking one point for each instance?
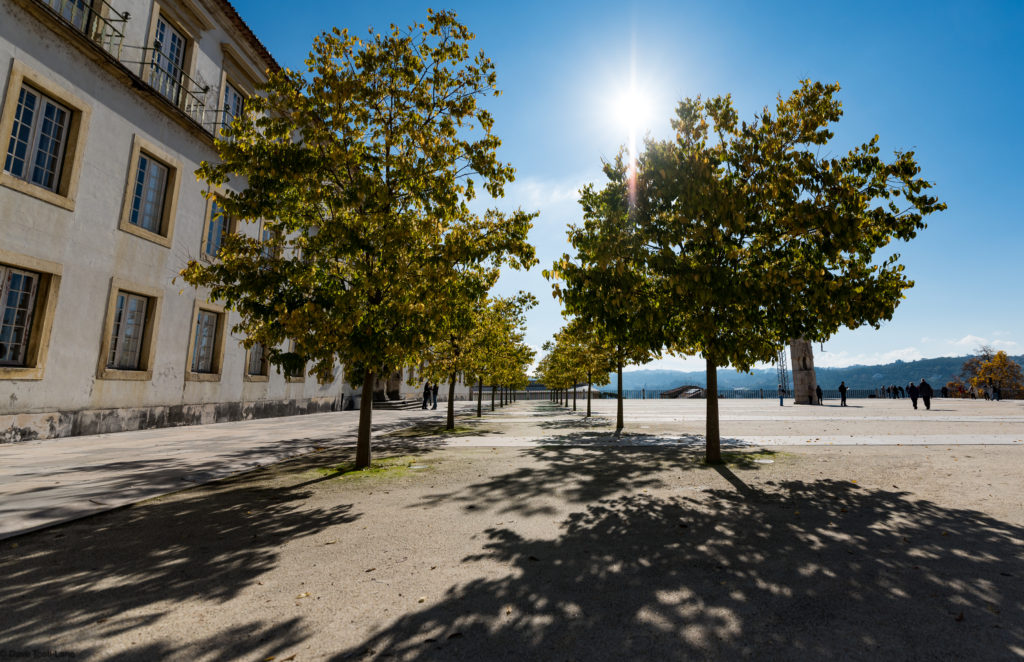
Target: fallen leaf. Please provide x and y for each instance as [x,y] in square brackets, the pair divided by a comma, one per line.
[301,595]
[959,617]
[370,570]
[422,599]
[455,635]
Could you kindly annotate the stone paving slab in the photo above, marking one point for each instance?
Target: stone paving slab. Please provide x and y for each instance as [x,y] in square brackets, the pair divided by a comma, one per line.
[45,482]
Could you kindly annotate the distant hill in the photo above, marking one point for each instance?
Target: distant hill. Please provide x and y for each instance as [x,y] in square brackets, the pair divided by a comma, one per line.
[937,371]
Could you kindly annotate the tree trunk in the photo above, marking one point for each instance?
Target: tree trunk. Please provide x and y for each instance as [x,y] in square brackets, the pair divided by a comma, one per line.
[713,453]
[492,397]
[450,424]
[574,396]
[618,417]
[589,377]
[365,421]
[479,396]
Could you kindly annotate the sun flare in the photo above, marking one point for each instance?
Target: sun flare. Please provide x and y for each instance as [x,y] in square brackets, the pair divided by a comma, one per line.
[632,110]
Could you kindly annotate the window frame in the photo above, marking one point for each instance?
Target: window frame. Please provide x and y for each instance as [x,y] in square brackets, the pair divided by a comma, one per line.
[262,376]
[295,379]
[232,227]
[219,339]
[141,146]
[66,189]
[41,325]
[147,348]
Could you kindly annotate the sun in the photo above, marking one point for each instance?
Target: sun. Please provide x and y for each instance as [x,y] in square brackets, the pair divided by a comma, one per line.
[632,110]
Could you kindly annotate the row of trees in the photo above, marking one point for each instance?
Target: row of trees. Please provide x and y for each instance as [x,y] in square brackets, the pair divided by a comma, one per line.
[362,167]
[735,236]
[576,355]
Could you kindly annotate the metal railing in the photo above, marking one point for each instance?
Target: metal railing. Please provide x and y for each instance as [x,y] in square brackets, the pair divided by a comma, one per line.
[98,21]
[170,80]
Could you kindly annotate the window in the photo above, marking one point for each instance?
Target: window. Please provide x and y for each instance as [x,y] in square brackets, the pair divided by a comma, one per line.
[129,327]
[205,340]
[42,130]
[168,63]
[129,345]
[38,138]
[256,364]
[17,303]
[218,227]
[233,102]
[76,12]
[206,345]
[150,189]
[28,300]
[297,373]
[151,195]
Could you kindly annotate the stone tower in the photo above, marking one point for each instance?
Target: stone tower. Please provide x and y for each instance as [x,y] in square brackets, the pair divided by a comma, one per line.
[804,380]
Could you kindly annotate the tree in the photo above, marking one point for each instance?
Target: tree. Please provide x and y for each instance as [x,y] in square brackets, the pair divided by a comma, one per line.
[971,366]
[362,167]
[1000,372]
[608,285]
[759,238]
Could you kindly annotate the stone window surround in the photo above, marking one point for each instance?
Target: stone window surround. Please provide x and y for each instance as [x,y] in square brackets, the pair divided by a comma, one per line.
[43,314]
[301,377]
[67,187]
[264,364]
[148,351]
[236,73]
[220,340]
[188,30]
[207,217]
[141,145]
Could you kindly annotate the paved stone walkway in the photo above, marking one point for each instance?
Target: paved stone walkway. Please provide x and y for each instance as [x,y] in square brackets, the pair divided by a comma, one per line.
[49,481]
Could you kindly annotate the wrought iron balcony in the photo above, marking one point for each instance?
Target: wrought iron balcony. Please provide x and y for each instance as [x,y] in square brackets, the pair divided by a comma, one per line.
[98,21]
[103,25]
[151,64]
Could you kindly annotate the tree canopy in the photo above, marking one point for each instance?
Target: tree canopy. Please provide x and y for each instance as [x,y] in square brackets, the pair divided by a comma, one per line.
[361,168]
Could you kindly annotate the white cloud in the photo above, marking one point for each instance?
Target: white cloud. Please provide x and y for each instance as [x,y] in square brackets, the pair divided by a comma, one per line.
[972,342]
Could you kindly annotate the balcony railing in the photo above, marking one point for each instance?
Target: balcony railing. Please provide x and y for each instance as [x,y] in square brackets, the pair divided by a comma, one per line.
[105,26]
[97,20]
[165,76]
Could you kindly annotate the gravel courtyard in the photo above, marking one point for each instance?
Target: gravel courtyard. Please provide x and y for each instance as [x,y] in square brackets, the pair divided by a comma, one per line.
[861,533]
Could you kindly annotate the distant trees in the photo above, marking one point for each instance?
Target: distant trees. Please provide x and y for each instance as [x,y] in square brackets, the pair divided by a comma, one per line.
[990,369]
[361,167]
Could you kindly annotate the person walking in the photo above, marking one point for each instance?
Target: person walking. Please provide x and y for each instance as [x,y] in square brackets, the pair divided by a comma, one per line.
[842,394]
[818,392]
[434,393]
[912,392]
[782,394]
[426,394]
[925,390]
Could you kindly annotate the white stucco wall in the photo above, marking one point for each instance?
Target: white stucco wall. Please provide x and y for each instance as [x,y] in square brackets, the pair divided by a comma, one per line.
[91,248]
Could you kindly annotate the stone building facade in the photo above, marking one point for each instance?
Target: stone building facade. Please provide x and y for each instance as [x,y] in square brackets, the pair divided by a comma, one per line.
[107,109]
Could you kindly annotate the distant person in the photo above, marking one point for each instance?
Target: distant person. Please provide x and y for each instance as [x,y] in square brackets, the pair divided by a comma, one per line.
[912,392]
[434,393]
[782,394]
[925,389]
[997,393]
[842,394]
[944,391]
[426,395]
[903,393]
[818,392]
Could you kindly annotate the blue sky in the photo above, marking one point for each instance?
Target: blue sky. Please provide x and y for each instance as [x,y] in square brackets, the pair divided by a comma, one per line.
[940,78]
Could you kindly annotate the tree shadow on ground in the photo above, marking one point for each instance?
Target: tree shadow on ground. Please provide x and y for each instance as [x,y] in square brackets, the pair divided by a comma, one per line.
[208,545]
[581,475]
[820,570]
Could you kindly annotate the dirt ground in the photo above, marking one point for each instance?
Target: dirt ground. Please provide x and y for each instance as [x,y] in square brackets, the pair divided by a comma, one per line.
[587,547]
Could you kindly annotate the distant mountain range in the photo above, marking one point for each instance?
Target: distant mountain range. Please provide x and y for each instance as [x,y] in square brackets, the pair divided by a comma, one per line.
[937,371]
